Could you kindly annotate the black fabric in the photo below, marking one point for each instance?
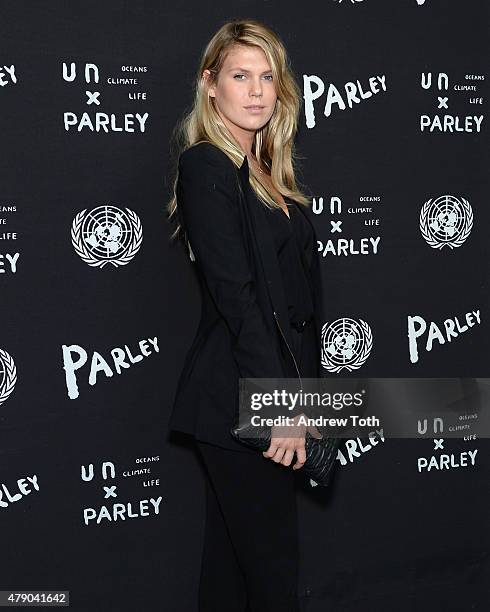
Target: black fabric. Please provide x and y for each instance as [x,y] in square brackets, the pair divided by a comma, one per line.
[251,549]
[294,240]
[237,335]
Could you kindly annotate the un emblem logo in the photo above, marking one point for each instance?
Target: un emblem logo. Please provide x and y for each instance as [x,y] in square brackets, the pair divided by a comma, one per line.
[8,375]
[345,343]
[446,221]
[107,235]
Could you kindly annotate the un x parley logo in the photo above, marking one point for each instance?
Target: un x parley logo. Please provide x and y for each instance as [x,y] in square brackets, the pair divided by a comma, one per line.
[107,235]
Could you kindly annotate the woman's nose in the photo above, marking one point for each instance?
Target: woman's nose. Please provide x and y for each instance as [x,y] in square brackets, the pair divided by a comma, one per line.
[256,88]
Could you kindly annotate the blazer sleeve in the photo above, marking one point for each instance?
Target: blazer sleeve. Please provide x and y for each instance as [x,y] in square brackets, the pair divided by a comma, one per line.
[207,195]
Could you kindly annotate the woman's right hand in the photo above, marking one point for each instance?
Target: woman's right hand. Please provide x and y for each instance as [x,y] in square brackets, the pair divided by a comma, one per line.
[282,448]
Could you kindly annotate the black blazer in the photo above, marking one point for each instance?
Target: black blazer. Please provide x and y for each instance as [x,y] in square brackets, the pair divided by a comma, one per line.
[244,329]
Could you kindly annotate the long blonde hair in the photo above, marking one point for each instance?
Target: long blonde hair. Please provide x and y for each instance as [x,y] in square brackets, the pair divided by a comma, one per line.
[273,144]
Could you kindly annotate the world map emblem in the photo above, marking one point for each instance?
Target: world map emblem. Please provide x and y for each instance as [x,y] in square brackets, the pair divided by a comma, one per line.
[345,344]
[106,235]
[446,221]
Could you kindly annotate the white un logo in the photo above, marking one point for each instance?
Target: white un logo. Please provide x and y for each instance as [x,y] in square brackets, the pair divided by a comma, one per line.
[446,221]
[346,343]
[107,235]
[8,375]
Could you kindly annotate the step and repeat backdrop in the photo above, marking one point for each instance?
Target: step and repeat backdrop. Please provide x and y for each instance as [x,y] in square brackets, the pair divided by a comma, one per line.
[98,308]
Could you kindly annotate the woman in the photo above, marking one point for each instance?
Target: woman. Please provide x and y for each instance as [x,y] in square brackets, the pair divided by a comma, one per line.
[241,216]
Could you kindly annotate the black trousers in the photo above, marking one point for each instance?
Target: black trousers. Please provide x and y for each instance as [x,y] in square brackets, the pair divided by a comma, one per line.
[250,557]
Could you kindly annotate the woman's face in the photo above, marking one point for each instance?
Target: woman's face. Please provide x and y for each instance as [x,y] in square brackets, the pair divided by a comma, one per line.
[244,82]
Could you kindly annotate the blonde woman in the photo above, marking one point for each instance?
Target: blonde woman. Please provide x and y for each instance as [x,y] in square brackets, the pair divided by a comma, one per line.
[241,215]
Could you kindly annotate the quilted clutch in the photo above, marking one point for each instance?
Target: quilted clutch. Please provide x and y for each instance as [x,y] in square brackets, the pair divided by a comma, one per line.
[320,453]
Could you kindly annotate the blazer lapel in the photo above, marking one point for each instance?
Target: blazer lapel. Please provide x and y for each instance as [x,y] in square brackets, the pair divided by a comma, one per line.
[255,212]
[315,279]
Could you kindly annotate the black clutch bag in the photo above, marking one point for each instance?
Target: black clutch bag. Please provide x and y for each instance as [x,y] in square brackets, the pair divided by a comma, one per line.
[320,453]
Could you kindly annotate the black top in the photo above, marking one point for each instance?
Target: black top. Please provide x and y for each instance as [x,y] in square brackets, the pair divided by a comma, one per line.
[234,339]
[294,241]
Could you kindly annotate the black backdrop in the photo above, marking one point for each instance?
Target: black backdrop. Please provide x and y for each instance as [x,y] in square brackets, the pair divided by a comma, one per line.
[86,267]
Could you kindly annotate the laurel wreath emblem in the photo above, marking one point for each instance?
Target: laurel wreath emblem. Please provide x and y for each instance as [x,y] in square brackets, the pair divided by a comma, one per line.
[359,360]
[459,239]
[89,258]
[10,376]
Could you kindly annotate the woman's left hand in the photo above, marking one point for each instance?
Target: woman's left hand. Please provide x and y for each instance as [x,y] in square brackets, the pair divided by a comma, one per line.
[282,449]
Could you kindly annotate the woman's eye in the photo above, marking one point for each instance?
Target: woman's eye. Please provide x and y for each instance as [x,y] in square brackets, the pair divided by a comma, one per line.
[267,76]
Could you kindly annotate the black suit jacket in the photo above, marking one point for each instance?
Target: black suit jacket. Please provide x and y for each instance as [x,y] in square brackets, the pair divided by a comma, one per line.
[244,329]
